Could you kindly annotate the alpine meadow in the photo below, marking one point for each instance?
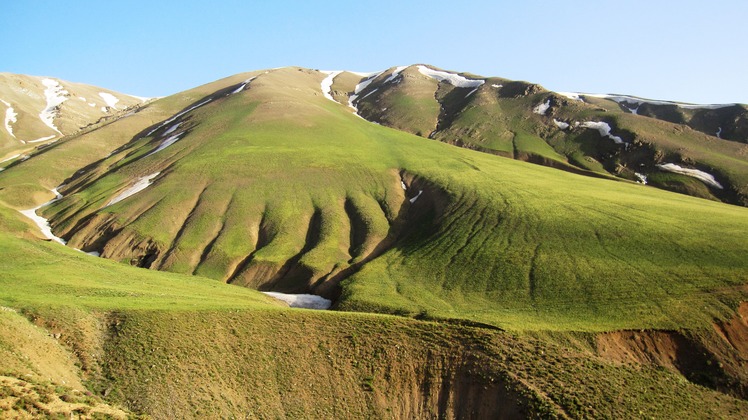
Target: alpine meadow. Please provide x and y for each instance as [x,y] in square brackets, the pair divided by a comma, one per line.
[409,243]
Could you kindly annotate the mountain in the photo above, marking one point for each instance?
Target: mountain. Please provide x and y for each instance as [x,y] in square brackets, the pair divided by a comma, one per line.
[524,267]
[40,110]
[679,147]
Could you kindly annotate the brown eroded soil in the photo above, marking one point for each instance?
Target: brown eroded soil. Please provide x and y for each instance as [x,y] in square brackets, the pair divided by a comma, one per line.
[715,359]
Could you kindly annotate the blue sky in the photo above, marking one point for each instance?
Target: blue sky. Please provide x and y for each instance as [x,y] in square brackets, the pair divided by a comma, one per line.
[692,51]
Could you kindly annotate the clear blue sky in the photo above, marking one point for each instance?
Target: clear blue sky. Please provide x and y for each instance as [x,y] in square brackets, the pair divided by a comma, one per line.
[693,51]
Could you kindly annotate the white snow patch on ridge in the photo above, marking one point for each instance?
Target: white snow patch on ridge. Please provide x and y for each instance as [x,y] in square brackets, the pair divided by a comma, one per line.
[395,73]
[172,129]
[571,95]
[170,120]
[166,143]
[695,173]
[55,95]
[361,86]
[453,79]
[577,96]
[542,108]
[10,117]
[41,139]
[560,124]
[111,100]
[604,129]
[326,84]
[10,158]
[141,98]
[141,184]
[301,300]
[368,74]
[243,85]
[43,223]
[636,100]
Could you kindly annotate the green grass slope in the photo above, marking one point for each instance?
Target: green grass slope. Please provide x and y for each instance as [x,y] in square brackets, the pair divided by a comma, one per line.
[521,120]
[92,337]
[273,186]
[277,188]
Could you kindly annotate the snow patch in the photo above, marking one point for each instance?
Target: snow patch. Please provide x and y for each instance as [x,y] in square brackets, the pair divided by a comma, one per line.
[571,95]
[560,124]
[10,158]
[166,143]
[82,98]
[695,173]
[172,119]
[55,95]
[43,223]
[604,129]
[497,86]
[638,101]
[642,179]
[366,74]
[172,129]
[395,73]
[372,91]
[243,85]
[109,99]
[141,184]
[360,88]
[542,108]
[301,300]
[719,133]
[326,84]
[471,92]
[41,139]
[10,117]
[413,200]
[140,98]
[453,79]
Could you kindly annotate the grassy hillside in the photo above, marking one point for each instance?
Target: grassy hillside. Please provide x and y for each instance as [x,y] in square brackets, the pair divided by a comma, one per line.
[111,339]
[278,188]
[522,290]
[524,121]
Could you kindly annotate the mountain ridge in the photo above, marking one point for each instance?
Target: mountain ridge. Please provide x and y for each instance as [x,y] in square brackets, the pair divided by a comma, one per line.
[40,110]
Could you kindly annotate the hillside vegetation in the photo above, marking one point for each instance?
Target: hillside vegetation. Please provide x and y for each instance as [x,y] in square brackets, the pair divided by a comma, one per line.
[465,284]
[524,121]
[277,188]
